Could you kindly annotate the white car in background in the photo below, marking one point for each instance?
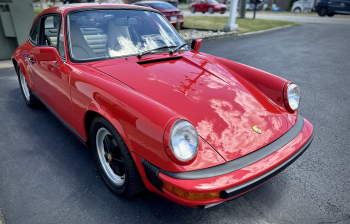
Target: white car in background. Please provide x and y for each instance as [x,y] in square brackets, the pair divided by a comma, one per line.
[303,6]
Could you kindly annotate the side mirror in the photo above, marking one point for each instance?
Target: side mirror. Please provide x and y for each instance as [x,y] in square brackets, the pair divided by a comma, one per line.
[196,44]
[47,54]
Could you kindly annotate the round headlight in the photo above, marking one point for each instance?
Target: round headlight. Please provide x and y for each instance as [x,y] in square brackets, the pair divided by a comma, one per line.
[293,94]
[184,140]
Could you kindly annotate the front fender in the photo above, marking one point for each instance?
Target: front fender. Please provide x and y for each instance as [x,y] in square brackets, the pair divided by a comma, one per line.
[269,85]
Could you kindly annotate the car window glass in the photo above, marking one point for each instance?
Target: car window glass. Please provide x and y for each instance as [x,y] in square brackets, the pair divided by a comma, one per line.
[60,44]
[51,26]
[34,33]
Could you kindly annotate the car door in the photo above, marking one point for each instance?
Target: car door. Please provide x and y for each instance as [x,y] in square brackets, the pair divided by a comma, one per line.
[28,54]
[201,6]
[52,81]
[337,6]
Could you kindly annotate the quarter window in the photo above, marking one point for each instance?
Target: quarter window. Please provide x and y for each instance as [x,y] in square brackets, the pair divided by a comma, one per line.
[34,33]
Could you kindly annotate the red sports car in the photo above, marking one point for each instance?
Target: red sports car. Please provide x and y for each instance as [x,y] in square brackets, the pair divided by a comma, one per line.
[172,13]
[157,113]
[210,6]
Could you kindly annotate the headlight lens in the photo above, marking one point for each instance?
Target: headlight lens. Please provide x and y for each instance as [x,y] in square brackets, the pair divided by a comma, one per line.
[184,140]
[293,93]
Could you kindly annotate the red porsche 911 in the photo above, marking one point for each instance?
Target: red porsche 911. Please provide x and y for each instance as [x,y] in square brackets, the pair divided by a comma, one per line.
[210,6]
[157,113]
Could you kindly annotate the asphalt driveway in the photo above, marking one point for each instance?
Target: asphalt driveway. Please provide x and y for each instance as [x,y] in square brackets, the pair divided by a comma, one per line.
[48,176]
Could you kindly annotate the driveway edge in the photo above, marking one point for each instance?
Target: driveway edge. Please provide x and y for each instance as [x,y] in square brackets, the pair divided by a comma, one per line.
[263,31]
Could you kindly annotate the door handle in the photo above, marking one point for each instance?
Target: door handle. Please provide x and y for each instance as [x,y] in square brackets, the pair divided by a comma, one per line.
[31,60]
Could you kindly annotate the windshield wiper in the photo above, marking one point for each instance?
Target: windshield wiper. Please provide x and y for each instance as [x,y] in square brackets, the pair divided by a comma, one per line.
[177,48]
[149,51]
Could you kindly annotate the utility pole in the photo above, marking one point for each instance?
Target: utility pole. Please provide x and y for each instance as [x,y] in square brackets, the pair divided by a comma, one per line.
[232,26]
[242,9]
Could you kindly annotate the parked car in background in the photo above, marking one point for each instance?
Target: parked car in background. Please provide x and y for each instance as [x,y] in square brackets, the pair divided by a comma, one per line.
[172,13]
[210,6]
[173,2]
[303,6]
[276,9]
[330,8]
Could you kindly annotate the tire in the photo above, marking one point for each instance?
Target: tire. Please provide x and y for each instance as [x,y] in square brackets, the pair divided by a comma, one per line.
[222,12]
[211,10]
[27,93]
[113,159]
[330,14]
[322,11]
[297,10]
[193,10]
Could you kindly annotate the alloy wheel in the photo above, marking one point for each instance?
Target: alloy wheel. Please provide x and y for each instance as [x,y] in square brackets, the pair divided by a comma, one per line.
[110,156]
[24,85]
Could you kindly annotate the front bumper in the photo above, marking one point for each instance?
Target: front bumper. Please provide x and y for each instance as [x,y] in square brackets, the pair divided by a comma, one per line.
[236,177]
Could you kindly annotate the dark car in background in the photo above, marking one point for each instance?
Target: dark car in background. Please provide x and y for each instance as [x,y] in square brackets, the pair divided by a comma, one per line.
[330,8]
[172,13]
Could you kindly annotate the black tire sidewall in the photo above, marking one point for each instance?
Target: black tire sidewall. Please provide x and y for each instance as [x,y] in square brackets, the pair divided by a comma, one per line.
[322,11]
[124,189]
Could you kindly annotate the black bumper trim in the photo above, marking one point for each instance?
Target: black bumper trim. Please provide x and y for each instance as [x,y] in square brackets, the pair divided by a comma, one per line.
[267,176]
[243,161]
[152,173]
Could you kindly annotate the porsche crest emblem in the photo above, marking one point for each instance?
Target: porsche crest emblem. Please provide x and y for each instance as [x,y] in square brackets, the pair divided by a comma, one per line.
[256,129]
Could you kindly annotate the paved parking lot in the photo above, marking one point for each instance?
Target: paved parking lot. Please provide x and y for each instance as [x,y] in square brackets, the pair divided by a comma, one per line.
[48,176]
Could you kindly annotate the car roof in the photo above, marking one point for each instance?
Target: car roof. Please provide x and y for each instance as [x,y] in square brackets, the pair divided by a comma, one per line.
[64,9]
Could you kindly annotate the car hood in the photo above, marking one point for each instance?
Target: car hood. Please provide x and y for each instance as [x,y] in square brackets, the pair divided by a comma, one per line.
[223,108]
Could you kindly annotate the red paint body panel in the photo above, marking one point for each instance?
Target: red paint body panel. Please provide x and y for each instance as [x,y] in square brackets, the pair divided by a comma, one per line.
[221,98]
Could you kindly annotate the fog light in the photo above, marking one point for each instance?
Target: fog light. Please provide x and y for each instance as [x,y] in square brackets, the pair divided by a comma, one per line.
[191,196]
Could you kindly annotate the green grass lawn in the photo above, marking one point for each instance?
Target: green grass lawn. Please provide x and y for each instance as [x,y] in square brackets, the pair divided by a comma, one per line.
[38,11]
[244,25]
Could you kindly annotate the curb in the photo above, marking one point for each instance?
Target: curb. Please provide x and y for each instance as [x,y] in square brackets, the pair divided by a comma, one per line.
[234,34]
[218,37]
[5,64]
[262,31]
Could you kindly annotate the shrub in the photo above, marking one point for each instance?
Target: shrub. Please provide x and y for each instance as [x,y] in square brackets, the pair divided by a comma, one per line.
[268,8]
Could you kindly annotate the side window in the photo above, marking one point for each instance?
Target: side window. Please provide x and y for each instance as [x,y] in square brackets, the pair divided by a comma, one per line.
[34,33]
[51,26]
[60,44]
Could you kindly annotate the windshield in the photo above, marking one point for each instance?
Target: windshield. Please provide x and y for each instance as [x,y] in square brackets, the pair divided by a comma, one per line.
[103,34]
[212,1]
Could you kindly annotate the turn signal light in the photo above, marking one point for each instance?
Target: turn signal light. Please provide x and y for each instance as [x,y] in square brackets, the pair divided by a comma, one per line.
[191,196]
